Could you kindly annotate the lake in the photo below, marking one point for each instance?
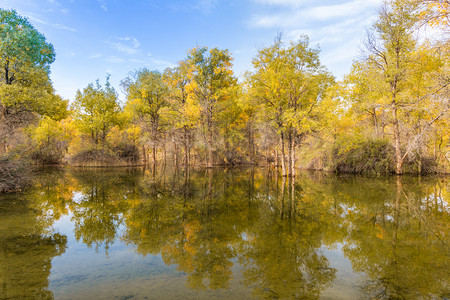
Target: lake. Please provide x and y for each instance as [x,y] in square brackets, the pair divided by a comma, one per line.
[163,233]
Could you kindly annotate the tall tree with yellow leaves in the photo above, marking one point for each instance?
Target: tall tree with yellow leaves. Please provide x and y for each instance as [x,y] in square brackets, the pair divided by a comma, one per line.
[211,82]
[290,82]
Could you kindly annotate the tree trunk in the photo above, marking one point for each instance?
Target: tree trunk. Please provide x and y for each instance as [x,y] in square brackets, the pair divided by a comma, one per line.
[290,152]
[292,157]
[187,149]
[276,157]
[175,155]
[398,151]
[165,152]
[209,162]
[251,144]
[283,162]
[144,156]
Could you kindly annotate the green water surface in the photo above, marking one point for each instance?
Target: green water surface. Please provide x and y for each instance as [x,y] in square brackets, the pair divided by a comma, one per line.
[224,234]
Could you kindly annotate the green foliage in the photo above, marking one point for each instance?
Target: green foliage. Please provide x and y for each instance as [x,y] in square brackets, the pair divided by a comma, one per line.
[97,110]
[147,94]
[26,92]
[21,44]
[25,58]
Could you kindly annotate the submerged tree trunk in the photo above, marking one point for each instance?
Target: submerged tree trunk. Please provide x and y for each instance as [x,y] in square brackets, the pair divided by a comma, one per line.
[283,185]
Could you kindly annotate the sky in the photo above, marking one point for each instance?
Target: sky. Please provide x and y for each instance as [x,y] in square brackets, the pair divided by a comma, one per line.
[93,38]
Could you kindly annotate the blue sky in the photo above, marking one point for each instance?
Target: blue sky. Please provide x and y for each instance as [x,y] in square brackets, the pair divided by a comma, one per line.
[95,37]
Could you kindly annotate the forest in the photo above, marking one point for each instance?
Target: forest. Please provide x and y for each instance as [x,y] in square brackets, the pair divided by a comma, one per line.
[388,115]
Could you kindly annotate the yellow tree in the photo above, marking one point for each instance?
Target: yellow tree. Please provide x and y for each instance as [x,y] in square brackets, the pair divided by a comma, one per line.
[434,12]
[184,110]
[211,82]
[97,110]
[149,94]
[290,82]
[394,85]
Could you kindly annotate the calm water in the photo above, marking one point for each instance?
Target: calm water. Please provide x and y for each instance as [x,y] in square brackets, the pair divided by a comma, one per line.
[224,234]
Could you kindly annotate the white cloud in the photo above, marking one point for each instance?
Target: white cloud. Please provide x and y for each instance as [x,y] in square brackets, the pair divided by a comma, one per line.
[162,63]
[114,59]
[35,19]
[133,40]
[60,26]
[337,26]
[291,17]
[102,4]
[128,45]
[205,6]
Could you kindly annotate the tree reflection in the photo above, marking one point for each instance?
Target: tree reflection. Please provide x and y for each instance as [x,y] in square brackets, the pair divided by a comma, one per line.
[399,237]
[274,228]
[206,221]
[100,205]
[27,248]
[281,255]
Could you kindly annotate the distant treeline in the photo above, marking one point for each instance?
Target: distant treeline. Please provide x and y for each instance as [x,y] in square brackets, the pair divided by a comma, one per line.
[388,115]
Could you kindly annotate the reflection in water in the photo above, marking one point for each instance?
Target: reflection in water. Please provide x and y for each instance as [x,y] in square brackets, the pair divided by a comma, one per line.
[208,222]
[399,237]
[26,251]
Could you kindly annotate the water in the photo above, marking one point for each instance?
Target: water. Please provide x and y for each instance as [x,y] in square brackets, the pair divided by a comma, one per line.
[224,234]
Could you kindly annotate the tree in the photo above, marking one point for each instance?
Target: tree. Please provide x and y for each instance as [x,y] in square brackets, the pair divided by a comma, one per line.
[434,12]
[25,87]
[51,139]
[185,113]
[21,47]
[394,82]
[97,110]
[289,82]
[148,94]
[211,82]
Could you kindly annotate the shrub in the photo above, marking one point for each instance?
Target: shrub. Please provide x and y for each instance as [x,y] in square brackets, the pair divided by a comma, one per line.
[128,152]
[14,174]
[48,155]
[102,156]
[369,156]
